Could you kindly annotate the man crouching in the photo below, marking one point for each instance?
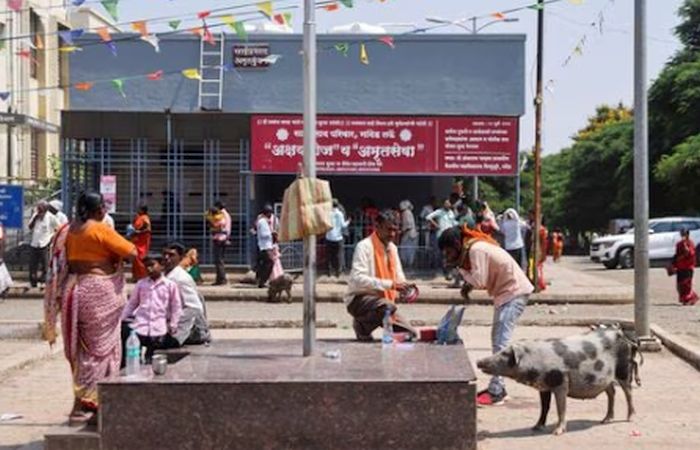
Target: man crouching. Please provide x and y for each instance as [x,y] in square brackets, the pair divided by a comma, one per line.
[376,280]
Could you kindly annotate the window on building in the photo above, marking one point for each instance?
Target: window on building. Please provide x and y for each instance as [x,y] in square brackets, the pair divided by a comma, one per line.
[36,30]
[34,154]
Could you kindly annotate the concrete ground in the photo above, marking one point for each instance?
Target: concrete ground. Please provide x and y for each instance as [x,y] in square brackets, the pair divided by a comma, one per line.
[41,393]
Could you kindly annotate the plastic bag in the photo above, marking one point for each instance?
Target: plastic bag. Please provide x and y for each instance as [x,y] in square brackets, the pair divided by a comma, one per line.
[447,329]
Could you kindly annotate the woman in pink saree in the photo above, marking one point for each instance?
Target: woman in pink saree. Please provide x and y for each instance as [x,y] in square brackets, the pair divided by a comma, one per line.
[86,286]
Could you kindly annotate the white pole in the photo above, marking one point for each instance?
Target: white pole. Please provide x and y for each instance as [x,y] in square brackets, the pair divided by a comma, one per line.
[309,170]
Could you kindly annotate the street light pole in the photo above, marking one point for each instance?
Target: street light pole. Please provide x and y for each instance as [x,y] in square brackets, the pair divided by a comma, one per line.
[641,184]
[309,53]
[538,144]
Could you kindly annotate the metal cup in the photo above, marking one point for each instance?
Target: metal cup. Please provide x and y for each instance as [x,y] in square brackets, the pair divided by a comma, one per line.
[159,364]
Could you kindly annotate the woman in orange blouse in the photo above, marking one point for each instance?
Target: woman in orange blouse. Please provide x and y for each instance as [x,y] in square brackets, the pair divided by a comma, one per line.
[142,240]
[87,287]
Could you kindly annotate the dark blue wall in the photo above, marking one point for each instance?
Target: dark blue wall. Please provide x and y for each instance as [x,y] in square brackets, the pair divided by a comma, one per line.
[424,74]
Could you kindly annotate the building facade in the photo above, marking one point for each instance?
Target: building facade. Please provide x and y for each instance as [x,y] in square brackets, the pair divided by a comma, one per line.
[419,110]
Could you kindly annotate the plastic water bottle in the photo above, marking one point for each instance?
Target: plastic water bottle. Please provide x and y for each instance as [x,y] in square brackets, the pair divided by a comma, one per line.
[387,335]
[133,354]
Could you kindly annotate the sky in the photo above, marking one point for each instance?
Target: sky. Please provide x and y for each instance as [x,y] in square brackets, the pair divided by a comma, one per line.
[601,74]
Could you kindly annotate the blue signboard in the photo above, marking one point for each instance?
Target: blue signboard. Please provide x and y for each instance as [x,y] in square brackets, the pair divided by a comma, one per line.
[11,206]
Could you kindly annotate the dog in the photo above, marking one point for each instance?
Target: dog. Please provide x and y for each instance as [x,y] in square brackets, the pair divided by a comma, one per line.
[280,285]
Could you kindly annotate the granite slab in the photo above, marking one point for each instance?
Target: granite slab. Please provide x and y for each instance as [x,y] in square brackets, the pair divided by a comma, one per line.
[264,394]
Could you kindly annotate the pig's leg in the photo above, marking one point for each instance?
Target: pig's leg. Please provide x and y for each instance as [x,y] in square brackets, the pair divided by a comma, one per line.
[545,400]
[627,389]
[610,391]
[560,394]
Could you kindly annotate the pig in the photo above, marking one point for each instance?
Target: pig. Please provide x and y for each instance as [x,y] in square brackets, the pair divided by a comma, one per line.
[281,284]
[581,367]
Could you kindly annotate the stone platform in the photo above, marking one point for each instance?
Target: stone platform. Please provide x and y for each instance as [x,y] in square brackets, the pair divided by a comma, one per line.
[264,394]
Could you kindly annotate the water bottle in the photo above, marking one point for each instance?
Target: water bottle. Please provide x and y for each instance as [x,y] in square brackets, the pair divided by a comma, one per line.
[388,335]
[133,354]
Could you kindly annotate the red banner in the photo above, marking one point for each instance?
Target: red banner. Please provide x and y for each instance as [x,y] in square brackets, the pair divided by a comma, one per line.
[388,145]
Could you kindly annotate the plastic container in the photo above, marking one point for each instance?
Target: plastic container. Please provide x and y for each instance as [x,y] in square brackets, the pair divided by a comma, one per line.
[133,354]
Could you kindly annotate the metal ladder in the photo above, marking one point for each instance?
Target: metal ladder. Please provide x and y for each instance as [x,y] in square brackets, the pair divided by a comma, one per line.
[211,69]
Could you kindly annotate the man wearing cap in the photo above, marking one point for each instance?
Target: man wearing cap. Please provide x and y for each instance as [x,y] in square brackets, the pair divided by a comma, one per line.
[56,208]
[266,237]
[377,280]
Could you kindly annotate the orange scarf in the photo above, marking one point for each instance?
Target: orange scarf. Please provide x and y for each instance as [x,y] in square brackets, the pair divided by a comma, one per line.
[469,237]
[385,267]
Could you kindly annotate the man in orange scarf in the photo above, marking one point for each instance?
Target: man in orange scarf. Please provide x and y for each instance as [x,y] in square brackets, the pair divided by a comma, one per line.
[376,280]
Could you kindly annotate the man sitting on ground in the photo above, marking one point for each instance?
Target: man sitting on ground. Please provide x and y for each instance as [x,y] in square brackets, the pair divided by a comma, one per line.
[192,328]
[376,280]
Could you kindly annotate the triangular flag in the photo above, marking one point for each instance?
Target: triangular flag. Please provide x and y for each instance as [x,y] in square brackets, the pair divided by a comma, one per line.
[104,34]
[240,30]
[364,58]
[85,86]
[111,7]
[498,16]
[39,42]
[27,42]
[230,21]
[199,31]
[347,3]
[192,74]
[208,37]
[288,18]
[153,40]
[576,2]
[174,24]
[119,86]
[331,7]
[271,59]
[388,40]
[266,9]
[203,15]
[67,37]
[25,53]
[140,27]
[112,47]
[155,76]
[15,5]
[4,96]
[78,2]
[537,6]
[280,19]
[578,50]
[343,48]
[69,49]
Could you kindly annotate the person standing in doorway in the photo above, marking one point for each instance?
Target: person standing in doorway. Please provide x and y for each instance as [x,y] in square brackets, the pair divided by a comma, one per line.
[264,233]
[409,234]
[141,237]
[43,225]
[334,240]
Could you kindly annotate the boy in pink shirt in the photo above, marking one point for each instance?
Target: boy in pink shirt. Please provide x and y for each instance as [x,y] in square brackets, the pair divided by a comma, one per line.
[153,310]
[485,265]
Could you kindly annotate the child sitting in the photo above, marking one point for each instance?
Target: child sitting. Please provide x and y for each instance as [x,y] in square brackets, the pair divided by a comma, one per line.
[155,308]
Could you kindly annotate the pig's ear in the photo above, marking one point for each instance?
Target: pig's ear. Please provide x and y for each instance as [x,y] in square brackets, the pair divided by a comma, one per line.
[515,355]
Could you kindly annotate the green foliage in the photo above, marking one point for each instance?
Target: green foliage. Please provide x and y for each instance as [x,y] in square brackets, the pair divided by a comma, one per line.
[681,170]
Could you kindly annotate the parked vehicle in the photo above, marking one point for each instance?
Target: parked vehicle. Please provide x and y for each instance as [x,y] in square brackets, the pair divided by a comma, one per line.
[618,250]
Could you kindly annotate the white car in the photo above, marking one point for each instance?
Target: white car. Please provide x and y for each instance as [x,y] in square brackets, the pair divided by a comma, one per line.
[664,233]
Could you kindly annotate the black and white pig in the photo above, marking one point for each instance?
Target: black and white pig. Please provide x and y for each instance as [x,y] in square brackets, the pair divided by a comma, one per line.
[579,367]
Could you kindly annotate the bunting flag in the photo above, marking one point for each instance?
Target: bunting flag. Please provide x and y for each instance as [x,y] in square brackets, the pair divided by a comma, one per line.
[230,21]
[39,42]
[192,74]
[15,5]
[288,18]
[498,16]
[198,31]
[347,3]
[140,27]
[331,7]
[69,49]
[364,58]
[388,40]
[112,47]
[578,50]
[4,96]
[27,42]
[271,59]
[103,32]
[111,7]
[118,84]
[343,48]
[155,76]
[203,15]
[78,2]
[576,2]
[70,35]
[153,40]
[280,19]
[25,53]
[85,86]
[266,9]
[208,36]
[536,6]
[174,24]
[240,30]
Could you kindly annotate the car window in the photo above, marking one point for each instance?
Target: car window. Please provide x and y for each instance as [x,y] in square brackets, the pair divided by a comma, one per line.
[662,227]
[689,225]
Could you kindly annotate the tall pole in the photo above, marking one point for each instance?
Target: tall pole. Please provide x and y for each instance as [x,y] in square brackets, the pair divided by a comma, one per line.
[309,170]
[538,143]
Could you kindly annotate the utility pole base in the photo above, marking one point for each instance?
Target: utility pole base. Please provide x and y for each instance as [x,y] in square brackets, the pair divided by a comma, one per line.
[649,344]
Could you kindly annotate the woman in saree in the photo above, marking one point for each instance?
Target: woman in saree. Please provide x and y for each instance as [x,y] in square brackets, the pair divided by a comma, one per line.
[86,285]
[683,267]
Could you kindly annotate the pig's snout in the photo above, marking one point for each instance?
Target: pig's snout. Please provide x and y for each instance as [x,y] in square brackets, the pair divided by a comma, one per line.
[485,365]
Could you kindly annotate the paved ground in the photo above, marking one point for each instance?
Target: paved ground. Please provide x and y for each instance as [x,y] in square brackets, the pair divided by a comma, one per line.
[666,414]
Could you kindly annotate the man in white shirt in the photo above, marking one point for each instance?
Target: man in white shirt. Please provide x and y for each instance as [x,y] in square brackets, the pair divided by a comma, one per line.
[192,328]
[334,240]
[43,225]
[56,208]
[265,235]
[376,280]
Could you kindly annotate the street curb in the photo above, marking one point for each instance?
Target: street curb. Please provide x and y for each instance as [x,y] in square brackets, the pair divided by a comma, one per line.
[35,355]
[20,329]
[678,346]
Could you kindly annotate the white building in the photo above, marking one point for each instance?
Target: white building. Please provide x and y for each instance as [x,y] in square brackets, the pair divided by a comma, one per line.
[35,73]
